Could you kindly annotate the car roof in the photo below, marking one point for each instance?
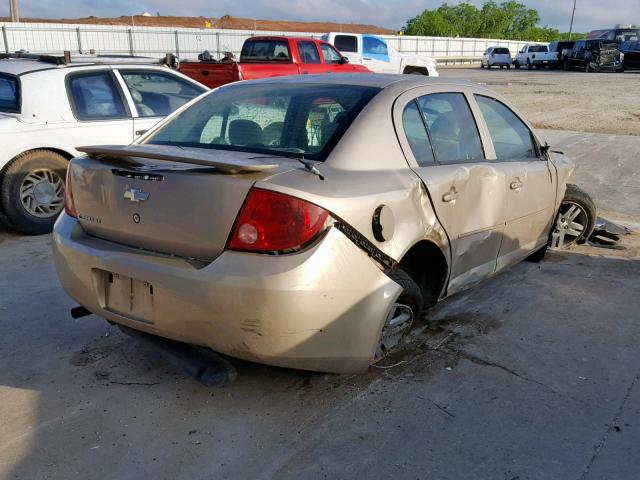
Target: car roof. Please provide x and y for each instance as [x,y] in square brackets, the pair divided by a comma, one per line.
[376,80]
[21,66]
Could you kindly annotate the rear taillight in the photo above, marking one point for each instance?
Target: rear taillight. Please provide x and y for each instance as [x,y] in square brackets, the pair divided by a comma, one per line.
[275,222]
[69,205]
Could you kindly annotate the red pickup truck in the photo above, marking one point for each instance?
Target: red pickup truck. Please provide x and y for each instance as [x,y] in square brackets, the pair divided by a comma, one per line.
[263,57]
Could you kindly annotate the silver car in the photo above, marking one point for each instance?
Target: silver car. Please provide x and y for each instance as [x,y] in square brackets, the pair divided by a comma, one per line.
[307,222]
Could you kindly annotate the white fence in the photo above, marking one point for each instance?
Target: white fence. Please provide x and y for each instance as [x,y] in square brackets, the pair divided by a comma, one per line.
[188,42]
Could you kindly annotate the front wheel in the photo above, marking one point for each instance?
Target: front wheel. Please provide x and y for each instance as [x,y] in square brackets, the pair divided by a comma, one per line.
[32,193]
[576,219]
[402,315]
[587,67]
[517,65]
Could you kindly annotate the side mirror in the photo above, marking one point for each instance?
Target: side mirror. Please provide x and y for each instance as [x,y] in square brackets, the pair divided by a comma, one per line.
[544,149]
[344,60]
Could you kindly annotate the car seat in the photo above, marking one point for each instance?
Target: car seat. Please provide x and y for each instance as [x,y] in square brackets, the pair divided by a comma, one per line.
[245,133]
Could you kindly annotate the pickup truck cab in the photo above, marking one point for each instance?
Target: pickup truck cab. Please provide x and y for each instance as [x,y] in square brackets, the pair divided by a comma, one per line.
[537,56]
[375,53]
[268,56]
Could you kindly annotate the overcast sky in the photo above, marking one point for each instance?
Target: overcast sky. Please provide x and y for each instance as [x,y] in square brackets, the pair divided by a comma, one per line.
[590,14]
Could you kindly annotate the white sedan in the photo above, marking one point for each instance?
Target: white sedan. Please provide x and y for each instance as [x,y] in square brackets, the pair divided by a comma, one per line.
[48,108]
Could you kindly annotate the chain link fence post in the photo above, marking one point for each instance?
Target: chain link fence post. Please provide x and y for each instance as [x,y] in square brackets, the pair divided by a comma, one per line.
[175,33]
[5,39]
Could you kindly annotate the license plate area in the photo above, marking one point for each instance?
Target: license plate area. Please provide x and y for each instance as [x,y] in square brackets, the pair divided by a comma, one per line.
[130,297]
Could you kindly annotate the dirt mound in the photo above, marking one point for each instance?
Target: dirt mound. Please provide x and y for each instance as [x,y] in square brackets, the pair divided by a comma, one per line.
[226,22]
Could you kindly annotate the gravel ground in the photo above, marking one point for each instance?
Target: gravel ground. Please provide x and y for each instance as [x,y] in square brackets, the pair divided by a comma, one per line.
[577,101]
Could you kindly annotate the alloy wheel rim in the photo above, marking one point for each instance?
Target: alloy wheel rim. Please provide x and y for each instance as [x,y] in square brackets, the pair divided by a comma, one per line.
[42,193]
[570,225]
[396,326]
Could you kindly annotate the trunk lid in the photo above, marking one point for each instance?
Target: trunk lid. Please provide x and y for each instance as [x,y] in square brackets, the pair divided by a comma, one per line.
[171,207]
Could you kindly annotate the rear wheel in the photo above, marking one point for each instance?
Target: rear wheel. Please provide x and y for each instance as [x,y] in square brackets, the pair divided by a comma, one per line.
[587,67]
[508,67]
[402,315]
[576,219]
[517,65]
[32,193]
[481,64]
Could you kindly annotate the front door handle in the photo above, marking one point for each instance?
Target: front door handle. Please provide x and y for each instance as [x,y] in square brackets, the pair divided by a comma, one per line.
[450,196]
[516,184]
[141,132]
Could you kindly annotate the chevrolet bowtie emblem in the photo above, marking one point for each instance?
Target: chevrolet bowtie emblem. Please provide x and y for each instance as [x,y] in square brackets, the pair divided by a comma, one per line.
[135,195]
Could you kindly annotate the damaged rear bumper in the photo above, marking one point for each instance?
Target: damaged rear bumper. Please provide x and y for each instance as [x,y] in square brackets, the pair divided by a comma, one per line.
[319,309]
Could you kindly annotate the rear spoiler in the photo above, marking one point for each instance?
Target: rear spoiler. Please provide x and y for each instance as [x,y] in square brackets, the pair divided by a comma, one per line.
[169,153]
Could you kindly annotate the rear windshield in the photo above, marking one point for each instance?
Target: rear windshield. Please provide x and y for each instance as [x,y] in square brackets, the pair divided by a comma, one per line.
[9,94]
[501,51]
[278,119]
[538,48]
[265,50]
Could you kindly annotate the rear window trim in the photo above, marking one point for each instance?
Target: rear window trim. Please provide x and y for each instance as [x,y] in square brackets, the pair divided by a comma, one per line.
[74,109]
[18,82]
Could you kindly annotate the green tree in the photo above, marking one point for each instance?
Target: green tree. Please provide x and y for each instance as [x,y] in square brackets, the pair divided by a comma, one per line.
[507,20]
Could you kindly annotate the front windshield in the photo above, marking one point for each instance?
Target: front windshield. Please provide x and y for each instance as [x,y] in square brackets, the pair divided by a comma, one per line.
[304,120]
[9,94]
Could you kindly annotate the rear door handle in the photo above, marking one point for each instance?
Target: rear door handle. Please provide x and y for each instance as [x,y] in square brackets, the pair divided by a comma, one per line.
[450,196]
[141,132]
[367,58]
[516,184]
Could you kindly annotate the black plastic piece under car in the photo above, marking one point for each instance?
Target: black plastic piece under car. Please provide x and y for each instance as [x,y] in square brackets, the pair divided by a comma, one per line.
[364,244]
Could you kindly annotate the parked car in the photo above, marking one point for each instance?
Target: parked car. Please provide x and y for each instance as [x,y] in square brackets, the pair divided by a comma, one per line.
[49,107]
[631,55]
[263,57]
[496,56]
[307,221]
[535,56]
[375,53]
[560,49]
[594,55]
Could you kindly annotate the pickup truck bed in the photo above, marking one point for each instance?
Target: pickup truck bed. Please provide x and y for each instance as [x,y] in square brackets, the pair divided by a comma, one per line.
[264,57]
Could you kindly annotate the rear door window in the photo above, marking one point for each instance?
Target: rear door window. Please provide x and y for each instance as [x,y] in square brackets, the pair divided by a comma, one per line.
[452,128]
[158,94]
[9,94]
[96,96]
[416,134]
[308,52]
[346,43]
[512,139]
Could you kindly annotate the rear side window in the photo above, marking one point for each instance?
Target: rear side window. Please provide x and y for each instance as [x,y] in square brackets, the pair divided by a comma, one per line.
[512,139]
[95,96]
[308,52]
[9,94]
[452,128]
[264,50]
[346,43]
[158,94]
[417,136]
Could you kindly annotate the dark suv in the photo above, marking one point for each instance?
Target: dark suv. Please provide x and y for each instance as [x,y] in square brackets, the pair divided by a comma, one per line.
[594,55]
[562,48]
